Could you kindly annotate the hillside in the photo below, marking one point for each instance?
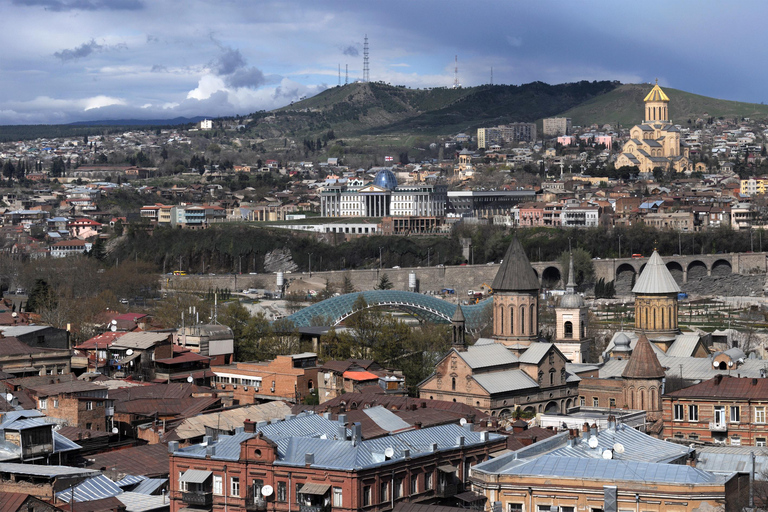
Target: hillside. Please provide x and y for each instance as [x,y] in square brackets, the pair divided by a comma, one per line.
[624,105]
[373,108]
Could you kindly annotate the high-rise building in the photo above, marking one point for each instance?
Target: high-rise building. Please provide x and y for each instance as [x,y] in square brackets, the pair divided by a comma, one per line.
[554,126]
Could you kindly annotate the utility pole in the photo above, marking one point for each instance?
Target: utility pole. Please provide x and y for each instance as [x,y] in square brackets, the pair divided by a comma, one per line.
[310,264]
[620,245]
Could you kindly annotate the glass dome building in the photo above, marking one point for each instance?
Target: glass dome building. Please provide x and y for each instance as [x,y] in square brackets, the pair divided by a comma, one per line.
[385,179]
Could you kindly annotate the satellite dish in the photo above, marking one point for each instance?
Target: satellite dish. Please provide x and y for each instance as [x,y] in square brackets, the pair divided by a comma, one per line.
[114,322]
[267,490]
[190,379]
[618,448]
[592,442]
[129,352]
[114,430]
[113,328]
[389,452]
[463,421]
[715,365]
[9,397]
[14,314]
[607,454]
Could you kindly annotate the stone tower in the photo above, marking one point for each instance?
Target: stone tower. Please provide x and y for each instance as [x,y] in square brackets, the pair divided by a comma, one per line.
[458,335]
[656,303]
[571,322]
[516,300]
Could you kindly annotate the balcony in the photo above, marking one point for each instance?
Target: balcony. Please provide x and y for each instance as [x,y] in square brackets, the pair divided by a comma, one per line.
[255,503]
[313,508]
[718,427]
[200,498]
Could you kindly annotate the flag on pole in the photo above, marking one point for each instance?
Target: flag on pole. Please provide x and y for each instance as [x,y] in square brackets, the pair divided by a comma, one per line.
[389,158]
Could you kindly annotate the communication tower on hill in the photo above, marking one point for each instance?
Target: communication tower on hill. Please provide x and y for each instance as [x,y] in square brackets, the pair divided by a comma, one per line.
[456,83]
[366,72]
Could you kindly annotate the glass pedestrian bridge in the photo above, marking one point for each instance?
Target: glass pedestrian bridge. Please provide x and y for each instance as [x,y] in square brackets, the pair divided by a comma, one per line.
[336,309]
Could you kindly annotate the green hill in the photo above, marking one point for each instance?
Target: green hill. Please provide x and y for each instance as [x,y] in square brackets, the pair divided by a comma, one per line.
[624,105]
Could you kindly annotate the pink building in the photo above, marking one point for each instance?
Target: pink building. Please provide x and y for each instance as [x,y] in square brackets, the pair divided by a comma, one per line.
[531,214]
[566,140]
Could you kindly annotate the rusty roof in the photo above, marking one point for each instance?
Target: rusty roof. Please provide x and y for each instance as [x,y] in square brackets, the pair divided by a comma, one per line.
[643,363]
[726,386]
[12,501]
[75,386]
[150,460]
[181,407]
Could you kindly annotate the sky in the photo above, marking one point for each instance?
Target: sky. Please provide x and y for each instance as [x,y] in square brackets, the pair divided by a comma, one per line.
[74,60]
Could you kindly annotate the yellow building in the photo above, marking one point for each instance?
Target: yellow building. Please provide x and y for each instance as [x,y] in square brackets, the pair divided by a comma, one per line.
[753,186]
[656,142]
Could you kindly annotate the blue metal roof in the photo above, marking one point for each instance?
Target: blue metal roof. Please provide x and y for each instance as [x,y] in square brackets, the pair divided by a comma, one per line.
[129,480]
[385,179]
[431,308]
[150,485]
[96,488]
[613,470]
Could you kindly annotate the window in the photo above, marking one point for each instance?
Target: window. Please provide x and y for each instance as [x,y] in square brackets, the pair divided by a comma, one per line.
[182,485]
[234,488]
[257,485]
[612,402]
[582,401]
[679,413]
[595,402]
[43,403]
[217,485]
[693,412]
[281,487]
[514,507]
[735,414]
[543,508]
[567,509]
[366,495]
[414,484]
[719,415]
[88,405]
[760,441]
[398,488]
[384,492]
[428,481]
[338,500]
[55,403]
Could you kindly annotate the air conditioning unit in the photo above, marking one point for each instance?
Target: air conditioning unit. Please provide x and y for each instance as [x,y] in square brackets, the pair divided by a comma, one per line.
[272,389]
[245,388]
[223,386]
[234,386]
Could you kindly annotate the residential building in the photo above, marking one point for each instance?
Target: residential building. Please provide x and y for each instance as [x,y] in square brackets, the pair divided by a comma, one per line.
[335,378]
[485,203]
[291,378]
[76,403]
[211,340]
[554,126]
[682,221]
[724,410]
[311,463]
[656,142]
[134,354]
[66,248]
[40,481]
[753,186]
[26,436]
[19,359]
[505,134]
[580,216]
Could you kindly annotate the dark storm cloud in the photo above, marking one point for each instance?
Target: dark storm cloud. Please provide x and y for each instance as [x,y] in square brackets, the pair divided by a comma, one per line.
[350,50]
[228,62]
[80,52]
[247,77]
[84,5]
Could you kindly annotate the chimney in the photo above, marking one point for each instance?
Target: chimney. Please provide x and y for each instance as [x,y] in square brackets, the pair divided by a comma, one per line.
[239,430]
[417,425]
[585,427]
[289,417]
[261,424]
[718,379]
[611,421]
[173,446]
[309,459]
[342,418]
[460,441]
[210,450]
[468,426]
[326,415]
[433,447]
[484,436]
[357,433]
[342,433]
[593,430]
[249,426]
[207,440]
[275,420]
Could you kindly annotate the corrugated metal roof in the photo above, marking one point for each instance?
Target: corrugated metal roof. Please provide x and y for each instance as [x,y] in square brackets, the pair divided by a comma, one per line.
[486,356]
[137,502]
[509,380]
[129,480]
[655,278]
[535,353]
[386,419]
[694,368]
[149,459]
[150,485]
[231,418]
[730,459]
[96,488]
[613,470]
[684,345]
[141,340]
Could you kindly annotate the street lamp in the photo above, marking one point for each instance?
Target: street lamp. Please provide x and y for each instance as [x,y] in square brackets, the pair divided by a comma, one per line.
[620,246]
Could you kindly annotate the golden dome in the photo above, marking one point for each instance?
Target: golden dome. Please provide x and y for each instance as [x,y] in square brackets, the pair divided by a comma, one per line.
[656,94]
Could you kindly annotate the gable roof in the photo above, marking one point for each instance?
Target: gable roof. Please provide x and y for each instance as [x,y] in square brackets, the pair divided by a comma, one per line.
[486,356]
[536,353]
[643,363]
[655,278]
[516,273]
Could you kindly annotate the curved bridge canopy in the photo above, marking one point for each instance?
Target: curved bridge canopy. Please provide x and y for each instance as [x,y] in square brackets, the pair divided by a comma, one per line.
[427,307]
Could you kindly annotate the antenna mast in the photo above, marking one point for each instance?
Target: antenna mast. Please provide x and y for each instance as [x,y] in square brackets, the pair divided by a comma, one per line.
[456,74]
[491,76]
[339,74]
[346,74]
[366,72]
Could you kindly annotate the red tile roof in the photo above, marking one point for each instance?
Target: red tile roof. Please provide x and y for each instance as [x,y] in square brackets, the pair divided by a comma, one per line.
[150,460]
[726,387]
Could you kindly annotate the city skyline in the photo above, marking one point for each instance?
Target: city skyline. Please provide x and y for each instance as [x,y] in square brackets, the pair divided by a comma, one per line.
[75,60]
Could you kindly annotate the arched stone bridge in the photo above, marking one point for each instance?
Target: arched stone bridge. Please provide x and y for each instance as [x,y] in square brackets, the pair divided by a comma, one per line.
[681,267]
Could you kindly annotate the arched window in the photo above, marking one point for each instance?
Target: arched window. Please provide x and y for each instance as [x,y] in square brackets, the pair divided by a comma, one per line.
[652,403]
[533,319]
[583,330]
[641,399]
[568,330]
[552,377]
[512,320]
[662,319]
[522,319]
[654,318]
[453,383]
[501,319]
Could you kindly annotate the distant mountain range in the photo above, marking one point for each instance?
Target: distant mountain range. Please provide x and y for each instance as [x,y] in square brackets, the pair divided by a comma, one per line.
[141,122]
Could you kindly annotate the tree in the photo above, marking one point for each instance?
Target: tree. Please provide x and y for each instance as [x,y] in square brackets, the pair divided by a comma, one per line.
[40,296]
[347,286]
[98,251]
[384,283]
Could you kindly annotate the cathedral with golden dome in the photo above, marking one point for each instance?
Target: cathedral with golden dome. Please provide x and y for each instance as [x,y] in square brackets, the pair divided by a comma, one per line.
[656,142]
